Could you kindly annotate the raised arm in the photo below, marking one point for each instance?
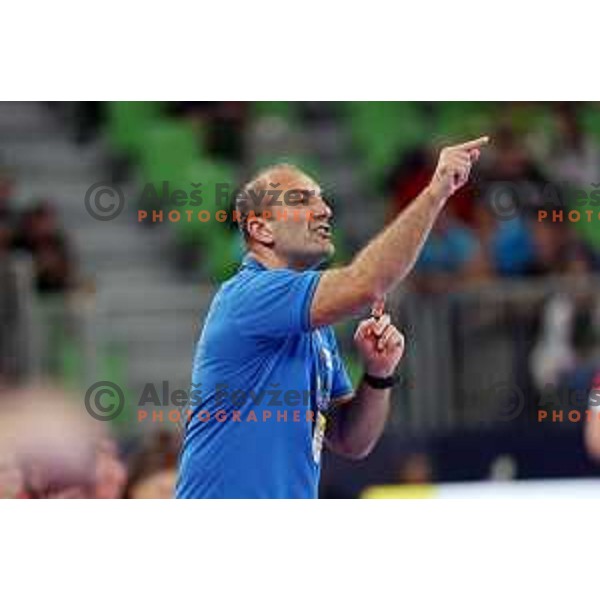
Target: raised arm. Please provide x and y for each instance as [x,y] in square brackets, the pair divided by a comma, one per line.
[390,256]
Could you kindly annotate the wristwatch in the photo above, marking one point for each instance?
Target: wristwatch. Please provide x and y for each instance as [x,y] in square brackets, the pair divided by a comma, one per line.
[380,383]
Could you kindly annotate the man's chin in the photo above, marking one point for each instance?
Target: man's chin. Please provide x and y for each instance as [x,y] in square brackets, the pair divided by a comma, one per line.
[325,255]
[315,257]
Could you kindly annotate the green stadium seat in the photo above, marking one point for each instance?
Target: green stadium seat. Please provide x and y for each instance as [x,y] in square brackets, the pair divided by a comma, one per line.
[216,240]
[457,121]
[588,231]
[284,110]
[382,132]
[209,174]
[71,366]
[591,119]
[113,367]
[226,252]
[169,146]
[127,123]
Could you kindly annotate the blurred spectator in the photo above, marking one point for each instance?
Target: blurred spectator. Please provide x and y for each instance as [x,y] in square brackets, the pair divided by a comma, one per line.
[50,436]
[153,468]
[575,158]
[6,238]
[496,245]
[106,479]
[509,161]
[9,309]
[53,267]
[566,355]
[12,484]
[86,120]
[527,246]
[451,256]
[221,124]
[51,448]
[412,174]
[452,253]
[39,234]
[111,472]
[6,190]
[507,245]
[555,249]
[38,225]
[553,354]
[517,243]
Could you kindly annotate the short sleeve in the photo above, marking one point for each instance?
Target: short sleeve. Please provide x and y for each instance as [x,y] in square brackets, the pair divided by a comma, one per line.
[275,302]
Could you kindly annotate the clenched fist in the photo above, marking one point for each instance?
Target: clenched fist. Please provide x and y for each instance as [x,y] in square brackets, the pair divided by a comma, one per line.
[379,343]
[454,167]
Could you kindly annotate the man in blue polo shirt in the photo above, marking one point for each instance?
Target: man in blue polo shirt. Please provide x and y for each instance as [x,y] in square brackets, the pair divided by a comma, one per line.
[269,387]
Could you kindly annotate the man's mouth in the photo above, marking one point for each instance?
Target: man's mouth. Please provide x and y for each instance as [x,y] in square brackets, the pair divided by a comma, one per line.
[325,230]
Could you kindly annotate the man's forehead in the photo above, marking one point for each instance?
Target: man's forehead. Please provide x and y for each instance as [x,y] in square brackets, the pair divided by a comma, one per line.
[295,181]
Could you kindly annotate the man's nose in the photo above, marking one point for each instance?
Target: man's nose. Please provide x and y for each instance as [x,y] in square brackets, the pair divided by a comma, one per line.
[323,210]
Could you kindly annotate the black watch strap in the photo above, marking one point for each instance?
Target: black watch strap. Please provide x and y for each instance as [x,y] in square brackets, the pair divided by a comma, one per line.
[380,383]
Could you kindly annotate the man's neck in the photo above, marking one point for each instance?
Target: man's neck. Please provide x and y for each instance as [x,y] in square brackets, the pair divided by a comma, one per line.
[270,260]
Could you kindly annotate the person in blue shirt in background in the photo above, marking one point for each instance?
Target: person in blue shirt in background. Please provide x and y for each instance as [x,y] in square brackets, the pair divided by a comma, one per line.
[269,387]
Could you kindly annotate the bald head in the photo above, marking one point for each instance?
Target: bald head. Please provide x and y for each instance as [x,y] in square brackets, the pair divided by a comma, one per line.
[283,175]
[282,185]
[281,212]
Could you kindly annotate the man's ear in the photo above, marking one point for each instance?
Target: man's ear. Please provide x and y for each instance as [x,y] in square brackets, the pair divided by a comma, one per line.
[261,230]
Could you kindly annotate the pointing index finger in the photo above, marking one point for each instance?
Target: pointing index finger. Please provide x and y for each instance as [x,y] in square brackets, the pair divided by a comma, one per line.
[474,144]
